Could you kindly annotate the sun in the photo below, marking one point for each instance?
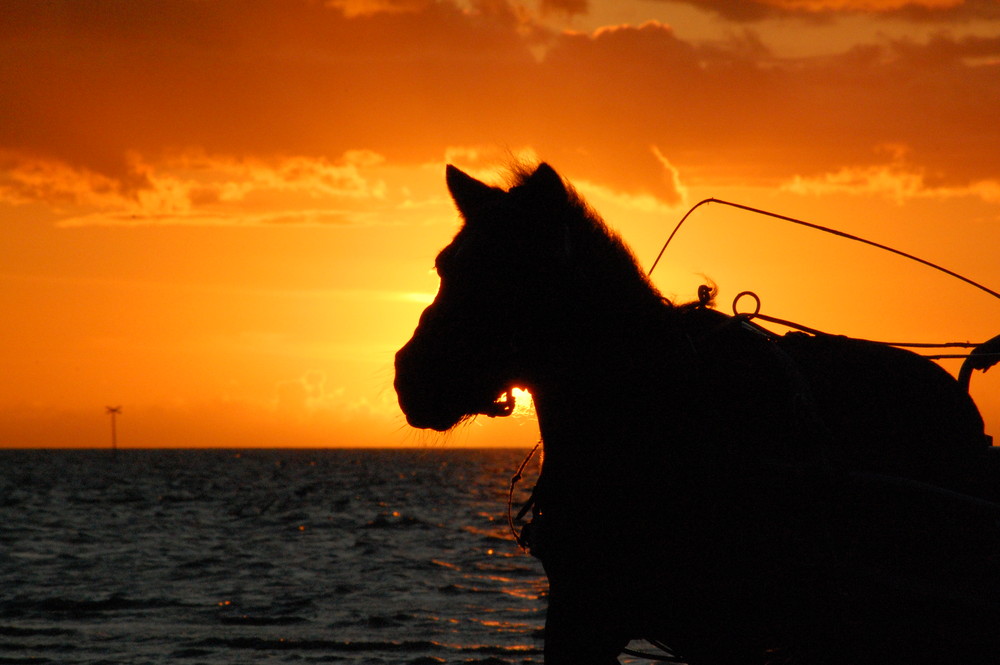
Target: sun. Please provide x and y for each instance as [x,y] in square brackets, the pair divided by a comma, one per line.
[524,407]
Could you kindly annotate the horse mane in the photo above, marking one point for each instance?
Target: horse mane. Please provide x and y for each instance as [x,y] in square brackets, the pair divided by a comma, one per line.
[601,248]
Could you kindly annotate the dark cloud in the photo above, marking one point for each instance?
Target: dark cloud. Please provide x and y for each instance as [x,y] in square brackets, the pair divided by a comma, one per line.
[824,10]
[969,10]
[568,7]
[94,82]
[737,109]
[733,10]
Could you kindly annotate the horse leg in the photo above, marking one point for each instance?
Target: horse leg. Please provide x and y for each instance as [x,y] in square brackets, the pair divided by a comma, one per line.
[580,627]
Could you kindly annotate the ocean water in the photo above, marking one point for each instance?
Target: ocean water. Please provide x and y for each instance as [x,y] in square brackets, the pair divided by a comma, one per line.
[293,556]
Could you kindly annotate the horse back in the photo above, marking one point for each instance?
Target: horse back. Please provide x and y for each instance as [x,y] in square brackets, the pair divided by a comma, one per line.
[888,410]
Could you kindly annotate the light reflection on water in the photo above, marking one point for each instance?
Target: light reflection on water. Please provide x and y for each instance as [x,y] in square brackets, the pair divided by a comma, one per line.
[265,557]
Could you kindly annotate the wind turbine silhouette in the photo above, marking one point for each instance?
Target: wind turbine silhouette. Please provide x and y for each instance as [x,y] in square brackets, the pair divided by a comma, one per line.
[113,411]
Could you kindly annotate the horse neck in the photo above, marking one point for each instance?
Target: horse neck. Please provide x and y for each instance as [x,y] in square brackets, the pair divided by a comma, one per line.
[599,365]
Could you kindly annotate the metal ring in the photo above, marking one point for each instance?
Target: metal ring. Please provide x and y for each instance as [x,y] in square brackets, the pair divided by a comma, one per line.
[756,299]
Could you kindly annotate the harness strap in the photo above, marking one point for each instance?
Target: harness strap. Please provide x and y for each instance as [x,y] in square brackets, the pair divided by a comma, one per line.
[983,357]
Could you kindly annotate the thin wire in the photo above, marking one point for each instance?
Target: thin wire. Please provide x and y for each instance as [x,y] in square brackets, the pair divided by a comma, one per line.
[510,497]
[909,345]
[750,317]
[825,230]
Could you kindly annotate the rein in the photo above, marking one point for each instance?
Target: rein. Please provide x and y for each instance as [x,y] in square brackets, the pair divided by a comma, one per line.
[749,316]
[984,354]
[518,537]
[824,229]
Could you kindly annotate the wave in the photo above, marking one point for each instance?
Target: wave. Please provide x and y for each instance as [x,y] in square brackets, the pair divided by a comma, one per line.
[355,557]
[78,608]
[365,646]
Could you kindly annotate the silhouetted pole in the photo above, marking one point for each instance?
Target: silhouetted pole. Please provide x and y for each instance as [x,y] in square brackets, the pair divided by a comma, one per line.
[113,411]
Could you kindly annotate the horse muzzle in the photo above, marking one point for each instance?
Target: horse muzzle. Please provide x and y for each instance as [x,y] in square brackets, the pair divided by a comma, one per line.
[424,399]
[432,401]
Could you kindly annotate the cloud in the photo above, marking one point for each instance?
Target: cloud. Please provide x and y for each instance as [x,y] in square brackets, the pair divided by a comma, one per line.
[676,192]
[761,119]
[567,7]
[95,79]
[884,180]
[282,218]
[26,180]
[891,181]
[917,10]
[354,8]
[645,203]
[194,188]
[309,400]
[267,102]
[946,11]
[307,394]
[898,180]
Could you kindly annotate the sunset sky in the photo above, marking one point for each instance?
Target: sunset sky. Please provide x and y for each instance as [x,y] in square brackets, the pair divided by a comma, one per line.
[223,214]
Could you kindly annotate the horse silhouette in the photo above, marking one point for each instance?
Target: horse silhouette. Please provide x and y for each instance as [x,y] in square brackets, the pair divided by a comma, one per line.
[740,497]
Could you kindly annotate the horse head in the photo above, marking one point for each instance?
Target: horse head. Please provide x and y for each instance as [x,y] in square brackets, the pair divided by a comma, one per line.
[497,276]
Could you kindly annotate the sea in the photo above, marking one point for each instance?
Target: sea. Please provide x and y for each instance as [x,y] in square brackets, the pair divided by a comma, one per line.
[264,556]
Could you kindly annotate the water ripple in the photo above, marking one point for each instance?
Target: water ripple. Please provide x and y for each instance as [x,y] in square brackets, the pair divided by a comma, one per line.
[339,556]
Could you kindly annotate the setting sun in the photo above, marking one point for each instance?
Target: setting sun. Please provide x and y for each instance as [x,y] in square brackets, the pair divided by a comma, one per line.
[523,406]
[221,215]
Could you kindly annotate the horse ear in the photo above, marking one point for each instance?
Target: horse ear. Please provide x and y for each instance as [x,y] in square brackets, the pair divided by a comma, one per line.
[468,193]
[547,181]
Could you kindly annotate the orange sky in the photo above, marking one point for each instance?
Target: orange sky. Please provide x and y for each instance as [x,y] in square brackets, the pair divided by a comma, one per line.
[222,214]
